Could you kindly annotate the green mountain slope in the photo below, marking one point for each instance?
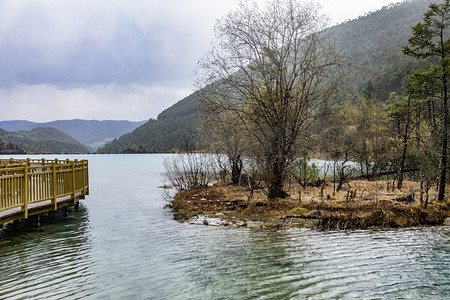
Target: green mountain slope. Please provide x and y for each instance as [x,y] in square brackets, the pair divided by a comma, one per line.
[372,44]
[173,130]
[9,148]
[43,140]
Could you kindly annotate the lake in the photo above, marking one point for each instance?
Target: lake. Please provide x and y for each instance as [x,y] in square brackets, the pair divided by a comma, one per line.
[123,244]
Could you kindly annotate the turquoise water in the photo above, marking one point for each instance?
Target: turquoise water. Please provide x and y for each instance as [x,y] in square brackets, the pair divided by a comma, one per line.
[123,244]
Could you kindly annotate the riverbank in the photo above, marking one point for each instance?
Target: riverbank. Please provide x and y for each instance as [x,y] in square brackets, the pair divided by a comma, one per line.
[361,205]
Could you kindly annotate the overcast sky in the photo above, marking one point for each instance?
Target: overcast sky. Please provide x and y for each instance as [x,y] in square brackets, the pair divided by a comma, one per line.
[111,59]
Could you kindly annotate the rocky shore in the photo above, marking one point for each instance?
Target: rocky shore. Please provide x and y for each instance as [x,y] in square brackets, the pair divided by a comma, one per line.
[360,205]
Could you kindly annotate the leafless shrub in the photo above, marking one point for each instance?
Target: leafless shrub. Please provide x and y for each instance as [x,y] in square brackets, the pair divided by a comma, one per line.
[189,171]
[252,177]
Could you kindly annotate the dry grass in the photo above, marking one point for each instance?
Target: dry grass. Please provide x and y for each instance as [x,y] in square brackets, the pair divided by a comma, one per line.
[362,204]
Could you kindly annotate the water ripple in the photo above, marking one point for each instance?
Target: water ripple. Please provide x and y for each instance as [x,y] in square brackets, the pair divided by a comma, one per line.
[122,244]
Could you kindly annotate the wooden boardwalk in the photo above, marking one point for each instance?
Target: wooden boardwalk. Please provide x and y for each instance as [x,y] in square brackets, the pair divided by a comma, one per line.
[30,187]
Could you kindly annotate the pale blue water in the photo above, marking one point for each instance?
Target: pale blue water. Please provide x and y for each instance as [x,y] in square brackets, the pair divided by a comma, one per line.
[123,244]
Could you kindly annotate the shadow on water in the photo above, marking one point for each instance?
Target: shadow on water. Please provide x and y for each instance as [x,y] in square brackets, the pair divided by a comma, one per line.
[52,260]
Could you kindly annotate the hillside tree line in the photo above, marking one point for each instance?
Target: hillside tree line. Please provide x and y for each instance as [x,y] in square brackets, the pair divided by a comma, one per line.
[270,93]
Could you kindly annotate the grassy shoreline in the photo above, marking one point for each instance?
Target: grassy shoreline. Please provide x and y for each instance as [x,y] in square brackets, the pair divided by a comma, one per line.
[361,205]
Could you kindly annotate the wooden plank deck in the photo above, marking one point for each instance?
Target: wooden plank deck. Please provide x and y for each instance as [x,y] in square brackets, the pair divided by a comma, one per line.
[43,207]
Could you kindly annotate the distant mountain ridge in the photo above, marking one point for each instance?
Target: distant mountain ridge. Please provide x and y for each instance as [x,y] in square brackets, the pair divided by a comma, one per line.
[43,140]
[91,133]
[174,129]
[372,44]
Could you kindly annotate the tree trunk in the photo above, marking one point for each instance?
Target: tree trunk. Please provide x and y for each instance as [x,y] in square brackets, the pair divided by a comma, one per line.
[400,170]
[276,181]
[444,153]
[236,169]
[405,146]
[334,176]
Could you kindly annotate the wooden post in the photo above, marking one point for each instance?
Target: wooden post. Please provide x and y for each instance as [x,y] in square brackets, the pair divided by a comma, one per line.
[25,193]
[37,224]
[54,190]
[86,173]
[84,178]
[73,184]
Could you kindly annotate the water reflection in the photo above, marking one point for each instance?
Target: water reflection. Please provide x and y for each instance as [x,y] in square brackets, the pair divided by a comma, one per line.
[50,261]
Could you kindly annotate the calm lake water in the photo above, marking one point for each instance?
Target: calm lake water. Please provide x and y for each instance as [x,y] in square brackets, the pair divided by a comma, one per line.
[123,244]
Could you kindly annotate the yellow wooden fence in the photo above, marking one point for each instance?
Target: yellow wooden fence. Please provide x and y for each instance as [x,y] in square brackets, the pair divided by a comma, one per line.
[24,182]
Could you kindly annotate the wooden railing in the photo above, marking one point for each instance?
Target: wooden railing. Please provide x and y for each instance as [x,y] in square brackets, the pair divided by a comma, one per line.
[24,182]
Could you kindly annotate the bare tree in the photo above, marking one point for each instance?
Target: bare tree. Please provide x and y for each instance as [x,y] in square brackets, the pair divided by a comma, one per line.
[338,143]
[369,139]
[273,70]
[223,135]
[189,171]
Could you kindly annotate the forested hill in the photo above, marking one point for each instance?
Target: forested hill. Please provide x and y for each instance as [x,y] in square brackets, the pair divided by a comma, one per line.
[173,130]
[92,133]
[42,140]
[9,148]
[372,44]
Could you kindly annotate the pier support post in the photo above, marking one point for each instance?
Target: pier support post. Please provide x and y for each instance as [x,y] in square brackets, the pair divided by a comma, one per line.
[37,223]
[65,211]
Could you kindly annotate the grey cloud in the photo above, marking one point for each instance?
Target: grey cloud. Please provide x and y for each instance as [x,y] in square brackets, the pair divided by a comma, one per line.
[44,102]
[100,41]
[118,59]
